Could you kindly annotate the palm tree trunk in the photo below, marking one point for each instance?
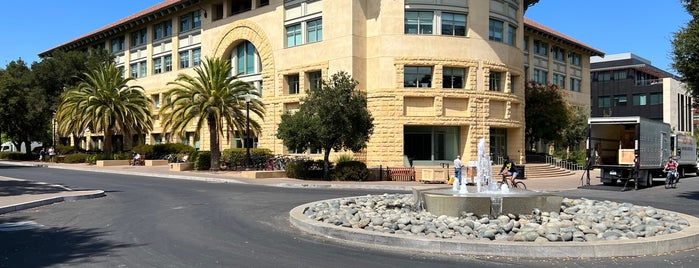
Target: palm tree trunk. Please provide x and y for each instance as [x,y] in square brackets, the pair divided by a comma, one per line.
[215,151]
[326,164]
[108,142]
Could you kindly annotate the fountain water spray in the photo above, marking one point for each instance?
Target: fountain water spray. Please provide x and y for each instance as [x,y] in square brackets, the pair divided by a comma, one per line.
[484,170]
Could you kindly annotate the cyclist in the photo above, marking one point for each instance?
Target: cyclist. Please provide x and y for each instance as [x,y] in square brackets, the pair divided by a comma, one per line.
[509,169]
[671,169]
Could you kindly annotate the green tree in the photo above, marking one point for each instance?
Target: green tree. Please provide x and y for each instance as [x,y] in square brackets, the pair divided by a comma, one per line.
[213,98]
[685,52]
[546,114]
[104,102]
[576,131]
[333,118]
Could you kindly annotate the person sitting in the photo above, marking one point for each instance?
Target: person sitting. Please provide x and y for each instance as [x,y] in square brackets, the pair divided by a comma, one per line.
[185,158]
[136,159]
[509,169]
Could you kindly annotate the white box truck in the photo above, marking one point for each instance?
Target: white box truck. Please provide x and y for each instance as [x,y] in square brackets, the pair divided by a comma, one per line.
[629,148]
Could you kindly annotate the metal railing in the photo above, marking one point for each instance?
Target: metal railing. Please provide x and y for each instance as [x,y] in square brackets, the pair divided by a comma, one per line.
[565,164]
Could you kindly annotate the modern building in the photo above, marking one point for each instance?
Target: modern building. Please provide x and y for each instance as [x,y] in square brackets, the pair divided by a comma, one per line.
[628,85]
[439,75]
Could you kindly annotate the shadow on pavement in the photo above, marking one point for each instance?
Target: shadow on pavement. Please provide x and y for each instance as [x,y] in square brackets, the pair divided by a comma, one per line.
[46,246]
[10,188]
[690,195]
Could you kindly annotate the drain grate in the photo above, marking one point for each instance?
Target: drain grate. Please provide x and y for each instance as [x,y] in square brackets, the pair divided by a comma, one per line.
[19,226]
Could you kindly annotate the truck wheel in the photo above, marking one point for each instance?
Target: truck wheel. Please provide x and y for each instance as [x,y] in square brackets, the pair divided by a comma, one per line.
[681,175]
[649,179]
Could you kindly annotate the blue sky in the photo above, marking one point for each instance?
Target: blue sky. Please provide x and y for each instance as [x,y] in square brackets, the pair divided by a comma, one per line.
[642,27]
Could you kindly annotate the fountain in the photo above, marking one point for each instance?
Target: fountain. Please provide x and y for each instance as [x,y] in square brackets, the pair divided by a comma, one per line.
[486,198]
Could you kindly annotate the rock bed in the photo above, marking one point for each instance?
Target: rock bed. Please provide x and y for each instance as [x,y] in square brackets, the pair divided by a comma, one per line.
[578,220]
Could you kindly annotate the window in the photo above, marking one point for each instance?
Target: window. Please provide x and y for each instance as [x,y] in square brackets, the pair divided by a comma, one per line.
[292,84]
[293,35]
[453,24]
[162,30]
[540,76]
[240,6]
[656,98]
[513,80]
[604,102]
[156,100]
[541,48]
[263,3]
[217,11]
[314,31]
[620,75]
[604,76]
[639,99]
[495,81]
[559,80]
[417,76]
[418,22]
[526,44]
[168,63]
[558,54]
[315,80]
[453,77]
[495,30]
[117,44]
[575,84]
[138,38]
[196,56]
[511,35]
[574,59]
[191,21]
[157,65]
[138,69]
[620,100]
[184,59]
[245,59]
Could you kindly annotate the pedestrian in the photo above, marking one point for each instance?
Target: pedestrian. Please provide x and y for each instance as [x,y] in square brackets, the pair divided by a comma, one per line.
[42,155]
[52,154]
[457,170]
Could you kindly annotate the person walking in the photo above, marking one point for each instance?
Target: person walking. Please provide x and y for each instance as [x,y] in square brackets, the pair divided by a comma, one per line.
[52,154]
[457,170]
[42,155]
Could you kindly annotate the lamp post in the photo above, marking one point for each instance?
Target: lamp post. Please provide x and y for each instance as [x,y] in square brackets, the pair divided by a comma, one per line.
[247,132]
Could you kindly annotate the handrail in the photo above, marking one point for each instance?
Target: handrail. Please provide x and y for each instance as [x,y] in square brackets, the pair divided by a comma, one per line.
[551,160]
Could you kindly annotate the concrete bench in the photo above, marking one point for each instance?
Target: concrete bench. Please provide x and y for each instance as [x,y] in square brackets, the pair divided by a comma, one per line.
[107,163]
[181,166]
[156,162]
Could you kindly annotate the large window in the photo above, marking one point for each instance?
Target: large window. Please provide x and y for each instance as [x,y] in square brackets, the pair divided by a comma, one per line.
[293,35]
[541,76]
[604,102]
[418,22]
[417,76]
[190,21]
[315,80]
[162,30]
[292,83]
[184,59]
[639,99]
[574,59]
[424,144]
[575,84]
[453,77]
[246,64]
[495,30]
[541,48]
[559,80]
[117,44]
[495,81]
[453,24]
[620,75]
[138,38]
[620,100]
[511,35]
[138,69]
[190,58]
[314,31]
[558,54]
[656,98]
[303,22]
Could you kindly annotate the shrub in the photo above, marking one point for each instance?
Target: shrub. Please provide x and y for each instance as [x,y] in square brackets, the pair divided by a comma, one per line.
[63,149]
[15,156]
[75,158]
[235,157]
[305,169]
[343,158]
[350,171]
[202,161]
[92,158]
[146,149]
[172,148]
[121,156]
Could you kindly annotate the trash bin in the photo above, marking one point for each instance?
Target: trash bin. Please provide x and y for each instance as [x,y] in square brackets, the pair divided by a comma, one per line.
[520,172]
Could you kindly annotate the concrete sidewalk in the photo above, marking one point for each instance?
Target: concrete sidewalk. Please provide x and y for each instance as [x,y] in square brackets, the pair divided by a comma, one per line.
[19,194]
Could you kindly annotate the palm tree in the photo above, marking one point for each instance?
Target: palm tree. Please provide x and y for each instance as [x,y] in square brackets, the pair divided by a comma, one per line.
[213,97]
[104,102]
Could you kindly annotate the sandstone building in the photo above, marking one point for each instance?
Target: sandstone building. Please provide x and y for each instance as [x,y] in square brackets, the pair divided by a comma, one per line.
[439,74]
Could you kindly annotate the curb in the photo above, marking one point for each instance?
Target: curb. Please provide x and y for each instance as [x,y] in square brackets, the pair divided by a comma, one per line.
[686,239]
[71,196]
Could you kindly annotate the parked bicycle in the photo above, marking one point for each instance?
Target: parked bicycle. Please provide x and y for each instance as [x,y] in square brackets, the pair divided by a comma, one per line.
[511,183]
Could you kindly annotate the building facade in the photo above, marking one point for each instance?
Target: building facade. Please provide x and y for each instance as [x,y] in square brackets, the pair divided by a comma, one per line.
[439,75]
[628,85]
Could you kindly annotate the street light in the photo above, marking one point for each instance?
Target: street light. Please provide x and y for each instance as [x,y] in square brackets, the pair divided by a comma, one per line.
[247,132]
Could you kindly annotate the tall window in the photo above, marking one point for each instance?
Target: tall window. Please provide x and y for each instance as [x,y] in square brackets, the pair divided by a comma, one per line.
[495,30]
[575,84]
[162,30]
[559,80]
[184,59]
[453,24]
[541,48]
[453,77]
[495,81]
[574,59]
[293,35]
[314,31]
[418,22]
[540,76]
[168,63]
[511,35]
[117,44]
[417,76]
[138,38]
[190,58]
[246,64]
[292,84]
[138,69]
[558,54]
[639,99]
[315,80]
[190,21]
[196,56]
[157,65]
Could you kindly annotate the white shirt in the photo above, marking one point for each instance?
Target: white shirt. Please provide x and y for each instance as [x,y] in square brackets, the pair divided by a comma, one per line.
[457,163]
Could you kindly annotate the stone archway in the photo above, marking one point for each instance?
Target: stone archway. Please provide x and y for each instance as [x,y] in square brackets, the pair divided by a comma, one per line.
[245,30]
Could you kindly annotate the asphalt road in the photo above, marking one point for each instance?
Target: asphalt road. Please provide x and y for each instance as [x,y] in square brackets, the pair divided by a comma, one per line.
[156,222]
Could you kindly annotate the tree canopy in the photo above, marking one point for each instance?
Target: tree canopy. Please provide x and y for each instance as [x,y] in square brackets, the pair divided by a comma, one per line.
[546,113]
[332,118]
[213,98]
[685,52]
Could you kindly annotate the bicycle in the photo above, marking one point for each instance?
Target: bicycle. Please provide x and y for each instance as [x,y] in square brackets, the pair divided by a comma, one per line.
[671,179]
[512,184]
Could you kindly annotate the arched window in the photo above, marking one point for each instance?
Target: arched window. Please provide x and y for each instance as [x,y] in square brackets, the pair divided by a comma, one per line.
[245,59]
